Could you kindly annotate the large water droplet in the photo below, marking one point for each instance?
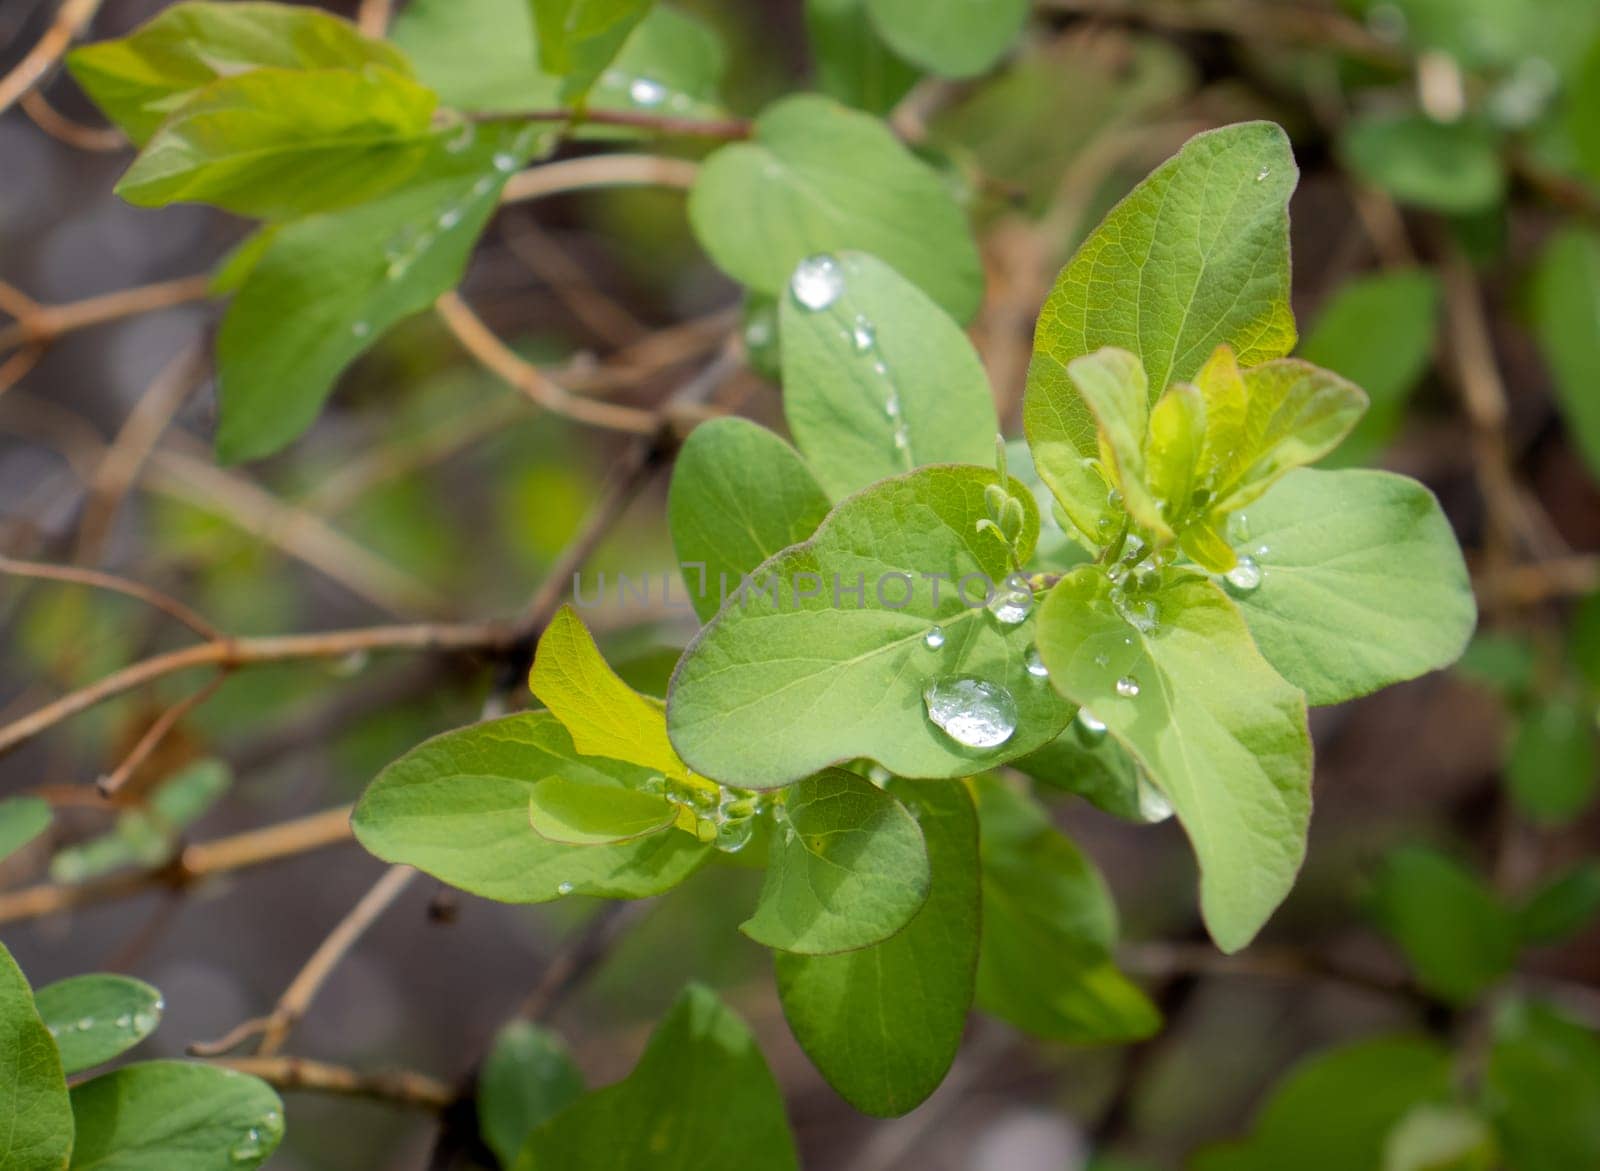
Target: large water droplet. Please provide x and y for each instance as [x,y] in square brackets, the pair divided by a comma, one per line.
[1089,729]
[934,639]
[1011,603]
[971,711]
[817,282]
[1243,578]
[733,836]
[1127,687]
[645,92]
[1036,666]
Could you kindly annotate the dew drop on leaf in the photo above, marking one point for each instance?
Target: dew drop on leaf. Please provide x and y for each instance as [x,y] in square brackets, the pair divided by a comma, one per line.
[1127,687]
[1089,729]
[564,888]
[645,92]
[934,639]
[1011,603]
[817,282]
[971,711]
[733,836]
[1036,666]
[862,335]
[1243,578]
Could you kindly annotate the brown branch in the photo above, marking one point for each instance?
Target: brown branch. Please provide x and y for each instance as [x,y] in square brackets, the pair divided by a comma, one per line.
[111,785]
[372,17]
[72,18]
[57,125]
[608,170]
[43,324]
[400,1087]
[665,124]
[95,579]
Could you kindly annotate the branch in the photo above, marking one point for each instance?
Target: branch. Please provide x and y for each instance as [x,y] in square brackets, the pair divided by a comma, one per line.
[607,170]
[72,19]
[119,585]
[75,134]
[112,784]
[730,129]
[41,324]
[401,1087]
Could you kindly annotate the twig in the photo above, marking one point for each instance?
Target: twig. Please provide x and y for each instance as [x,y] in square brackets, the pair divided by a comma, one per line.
[372,17]
[112,784]
[239,852]
[608,170]
[95,579]
[47,323]
[75,134]
[401,1087]
[666,124]
[73,17]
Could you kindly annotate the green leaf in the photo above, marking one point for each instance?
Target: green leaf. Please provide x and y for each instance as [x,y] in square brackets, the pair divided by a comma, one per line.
[578,813]
[527,1078]
[1562,907]
[1361,583]
[849,869]
[1583,112]
[1552,766]
[1566,298]
[1195,257]
[953,38]
[1215,726]
[21,820]
[457,807]
[1335,1111]
[604,716]
[878,380]
[1584,640]
[579,38]
[787,680]
[853,65]
[1048,930]
[94,1018]
[883,1023]
[1378,332]
[1543,1089]
[1453,167]
[176,1115]
[328,286]
[739,494]
[1440,1138]
[35,1117]
[140,79]
[280,143]
[700,1099]
[831,179]
[1112,383]
[1085,761]
[1456,935]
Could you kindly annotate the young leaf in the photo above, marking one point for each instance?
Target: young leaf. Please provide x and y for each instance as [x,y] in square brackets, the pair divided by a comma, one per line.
[35,1117]
[852,63]
[1552,766]
[94,1018]
[578,813]
[457,807]
[830,179]
[877,380]
[527,1078]
[140,79]
[1562,907]
[1335,1111]
[700,1099]
[579,38]
[1543,1089]
[1359,582]
[1112,383]
[21,820]
[1378,332]
[849,869]
[864,626]
[739,494]
[1456,934]
[604,716]
[280,143]
[1221,733]
[1194,257]
[1566,297]
[883,1023]
[330,285]
[953,38]
[176,1115]
[1048,929]
[1452,167]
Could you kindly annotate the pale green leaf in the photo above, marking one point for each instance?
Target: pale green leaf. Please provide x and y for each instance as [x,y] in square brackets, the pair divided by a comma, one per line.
[577,813]
[527,1078]
[879,380]
[1361,582]
[1451,167]
[1221,733]
[579,38]
[175,1115]
[457,806]
[739,494]
[1440,1138]
[330,285]
[280,143]
[829,179]
[953,38]
[1566,304]
[883,1023]
[848,869]
[140,79]
[96,1017]
[700,1099]
[1048,929]
[35,1117]
[786,681]
[21,820]
[1112,383]
[1456,934]
[853,65]
[1542,1089]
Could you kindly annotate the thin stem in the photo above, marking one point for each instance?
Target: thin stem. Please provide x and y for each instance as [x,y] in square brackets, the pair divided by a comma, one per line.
[609,170]
[111,582]
[401,1087]
[47,323]
[112,784]
[666,124]
[72,18]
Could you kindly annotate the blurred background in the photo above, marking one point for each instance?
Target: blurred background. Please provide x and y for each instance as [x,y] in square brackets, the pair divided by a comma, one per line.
[1445,258]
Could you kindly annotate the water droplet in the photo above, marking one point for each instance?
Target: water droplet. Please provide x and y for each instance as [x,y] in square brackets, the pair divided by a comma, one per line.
[645,92]
[1153,803]
[449,218]
[817,282]
[1263,550]
[1127,687]
[361,328]
[1088,728]
[1263,173]
[891,404]
[1114,498]
[1102,660]
[145,1022]
[85,1024]
[879,775]
[733,836]
[1036,666]
[862,335]
[505,162]
[1243,578]
[971,711]
[125,1021]
[564,888]
[1012,602]
[934,639]
[1238,528]
[247,1148]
